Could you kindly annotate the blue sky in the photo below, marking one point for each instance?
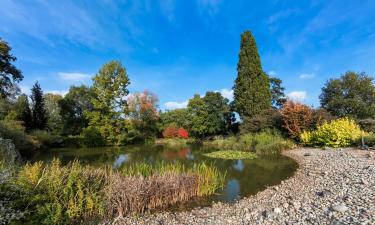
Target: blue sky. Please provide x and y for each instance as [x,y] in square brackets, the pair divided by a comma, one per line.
[176,48]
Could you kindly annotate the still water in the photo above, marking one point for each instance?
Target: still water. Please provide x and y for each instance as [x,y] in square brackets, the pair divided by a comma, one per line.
[243,177]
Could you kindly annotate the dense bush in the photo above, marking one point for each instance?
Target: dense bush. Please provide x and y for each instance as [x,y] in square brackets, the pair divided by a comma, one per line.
[47,138]
[367,124]
[91,137]
[182,133]
[267,142]
[26,144]
[368,139]
[337,133]
[267,120]
[173,131]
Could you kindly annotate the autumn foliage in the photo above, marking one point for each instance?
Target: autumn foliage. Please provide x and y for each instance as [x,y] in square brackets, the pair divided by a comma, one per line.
[172,131]
[182,133]
[297,117]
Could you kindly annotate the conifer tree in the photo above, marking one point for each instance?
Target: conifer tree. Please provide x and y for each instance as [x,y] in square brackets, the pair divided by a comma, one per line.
[39,114]
[252,87]
[23,111]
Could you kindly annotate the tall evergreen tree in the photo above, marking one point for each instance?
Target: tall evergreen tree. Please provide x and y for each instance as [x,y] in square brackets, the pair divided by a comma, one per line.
[39,113]
[23,111]
[277,92]
[252,87]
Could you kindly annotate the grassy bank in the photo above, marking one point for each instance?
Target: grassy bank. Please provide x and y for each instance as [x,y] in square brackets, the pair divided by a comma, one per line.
[56,194]
[262,143]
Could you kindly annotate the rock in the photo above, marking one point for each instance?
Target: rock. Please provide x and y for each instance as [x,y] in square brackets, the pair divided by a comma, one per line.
[340,208]
[323,193]
[307,154]
[277,210]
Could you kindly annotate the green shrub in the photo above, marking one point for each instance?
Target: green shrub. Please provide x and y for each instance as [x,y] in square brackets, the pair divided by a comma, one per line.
[267,142]
[367,125]
[91,137]
[26,144]
[337,133]
[368,139]
[47,138]
[131,137]
[56,194]
[73,141]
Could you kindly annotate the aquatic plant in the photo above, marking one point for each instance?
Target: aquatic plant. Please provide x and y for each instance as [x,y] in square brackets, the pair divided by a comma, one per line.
[266,142]
[73,194]
[230,154]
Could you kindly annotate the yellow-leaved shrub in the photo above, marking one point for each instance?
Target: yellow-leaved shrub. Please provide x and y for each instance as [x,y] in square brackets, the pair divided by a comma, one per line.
[342,132]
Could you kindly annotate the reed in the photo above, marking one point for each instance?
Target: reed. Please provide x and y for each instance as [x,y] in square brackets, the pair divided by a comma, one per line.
[74,194]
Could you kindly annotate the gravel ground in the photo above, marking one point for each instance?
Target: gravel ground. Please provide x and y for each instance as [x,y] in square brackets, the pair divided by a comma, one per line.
[330,187]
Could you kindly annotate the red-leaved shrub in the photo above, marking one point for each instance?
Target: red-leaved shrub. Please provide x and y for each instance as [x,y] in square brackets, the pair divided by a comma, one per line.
[182,133]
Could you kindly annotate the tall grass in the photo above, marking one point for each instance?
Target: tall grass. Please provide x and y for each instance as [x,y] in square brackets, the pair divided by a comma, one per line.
[263,143]
[74,194]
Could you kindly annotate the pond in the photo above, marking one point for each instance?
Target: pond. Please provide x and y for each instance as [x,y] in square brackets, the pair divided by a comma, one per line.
[243,177]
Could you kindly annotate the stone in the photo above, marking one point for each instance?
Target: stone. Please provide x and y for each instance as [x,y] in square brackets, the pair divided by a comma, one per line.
[340,208]
[277,210]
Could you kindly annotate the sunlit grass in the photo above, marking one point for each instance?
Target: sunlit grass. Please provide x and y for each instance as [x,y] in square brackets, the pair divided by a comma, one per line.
[230,154]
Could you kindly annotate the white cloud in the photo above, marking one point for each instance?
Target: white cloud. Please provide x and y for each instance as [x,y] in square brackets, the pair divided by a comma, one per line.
[272,73]
[306,76]
[57,92]
[297,95]
[176,105]
[74,76]
[226,93]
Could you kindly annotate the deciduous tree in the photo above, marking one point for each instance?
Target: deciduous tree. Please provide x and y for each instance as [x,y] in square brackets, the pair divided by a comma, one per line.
[352,95]
[9,74]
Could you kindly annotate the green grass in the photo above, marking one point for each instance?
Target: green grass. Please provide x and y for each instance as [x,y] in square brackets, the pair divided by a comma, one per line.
[230,154]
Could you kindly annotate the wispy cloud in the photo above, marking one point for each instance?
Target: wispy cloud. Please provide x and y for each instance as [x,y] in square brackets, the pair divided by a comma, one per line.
[272,73]
[175,105]
[167,8]
[299,96]
[306,75]
[57,92]
[74,76]
[226,93]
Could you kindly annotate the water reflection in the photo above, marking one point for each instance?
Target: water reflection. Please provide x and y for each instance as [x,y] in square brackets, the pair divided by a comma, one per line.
[121,159]
[243,177]
[239,166]
[231,191]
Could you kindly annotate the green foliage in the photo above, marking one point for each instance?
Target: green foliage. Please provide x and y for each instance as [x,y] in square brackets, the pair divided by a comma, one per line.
[47,138]
[73,107]
[39,114]
[277,92]
[210,115]
[56,194]
[179,117]
[369,140]
[110,89]
[367,125]
[13,130]
[269,119]
[143,114]
[230,154]
[252,86]
[91,137]
[23,111]
[9,74]
[174,143]
[337,133]
[351,95]
[267,142]
[53,111]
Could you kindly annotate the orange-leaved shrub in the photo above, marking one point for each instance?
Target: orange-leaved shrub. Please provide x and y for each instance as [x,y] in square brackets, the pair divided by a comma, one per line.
[173,131]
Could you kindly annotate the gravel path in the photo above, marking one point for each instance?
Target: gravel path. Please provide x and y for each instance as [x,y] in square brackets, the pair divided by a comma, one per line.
[330,187]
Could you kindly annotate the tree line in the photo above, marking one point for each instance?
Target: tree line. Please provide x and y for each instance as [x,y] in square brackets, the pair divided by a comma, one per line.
[106,113]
